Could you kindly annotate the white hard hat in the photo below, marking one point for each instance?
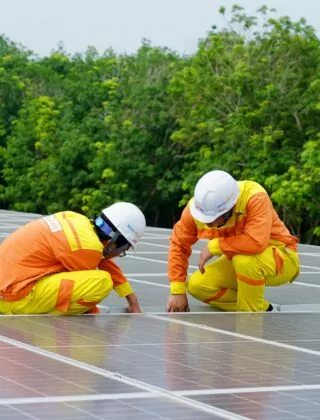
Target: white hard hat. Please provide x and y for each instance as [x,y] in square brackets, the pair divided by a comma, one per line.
[215,193]
[128,219]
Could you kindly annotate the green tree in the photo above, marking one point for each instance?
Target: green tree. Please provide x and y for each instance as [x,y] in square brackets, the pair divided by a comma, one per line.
[83,131]
[243,101]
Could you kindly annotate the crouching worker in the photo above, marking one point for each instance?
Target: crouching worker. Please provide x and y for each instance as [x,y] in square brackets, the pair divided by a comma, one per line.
[253,246]
[62,263]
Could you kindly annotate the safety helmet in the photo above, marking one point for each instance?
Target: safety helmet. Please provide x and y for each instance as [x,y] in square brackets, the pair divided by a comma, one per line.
[126,218]
[215,193]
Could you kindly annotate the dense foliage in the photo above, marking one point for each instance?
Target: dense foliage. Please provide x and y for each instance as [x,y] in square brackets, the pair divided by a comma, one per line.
[79,132]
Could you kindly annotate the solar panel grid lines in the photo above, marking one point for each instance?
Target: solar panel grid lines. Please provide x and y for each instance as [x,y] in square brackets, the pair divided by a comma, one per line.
[121,378]
[197,393]
[198,365]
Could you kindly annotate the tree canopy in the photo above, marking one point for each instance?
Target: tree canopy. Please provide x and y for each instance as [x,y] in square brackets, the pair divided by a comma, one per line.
[80,132]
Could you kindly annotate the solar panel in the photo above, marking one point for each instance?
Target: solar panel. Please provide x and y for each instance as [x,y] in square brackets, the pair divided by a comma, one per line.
[198,365]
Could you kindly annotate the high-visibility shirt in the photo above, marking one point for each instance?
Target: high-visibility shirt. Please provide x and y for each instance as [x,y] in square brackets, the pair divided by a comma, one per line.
[57,243]
[253,226]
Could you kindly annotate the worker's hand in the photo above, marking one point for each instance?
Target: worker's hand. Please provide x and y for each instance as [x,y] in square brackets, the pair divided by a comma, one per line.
[134,307]
[178,303]
[205,256]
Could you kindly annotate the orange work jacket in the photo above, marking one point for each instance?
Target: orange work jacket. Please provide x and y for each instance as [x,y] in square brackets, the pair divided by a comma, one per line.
[253,226]
[57,243]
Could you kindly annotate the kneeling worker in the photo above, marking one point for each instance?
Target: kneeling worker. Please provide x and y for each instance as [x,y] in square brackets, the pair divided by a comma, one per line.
[253,246]
[62,264]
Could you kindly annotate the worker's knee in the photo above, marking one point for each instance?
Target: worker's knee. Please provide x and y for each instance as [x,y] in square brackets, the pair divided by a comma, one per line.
[96,286]
[104,285]
[245,265]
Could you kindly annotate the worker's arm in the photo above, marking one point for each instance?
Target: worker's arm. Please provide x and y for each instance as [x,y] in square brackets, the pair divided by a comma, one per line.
[184,235]
[134,306]
[121,284]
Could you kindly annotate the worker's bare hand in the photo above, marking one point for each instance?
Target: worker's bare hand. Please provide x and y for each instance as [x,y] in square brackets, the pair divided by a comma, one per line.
[205,256]
[134,309]
[134,306]
[178,303]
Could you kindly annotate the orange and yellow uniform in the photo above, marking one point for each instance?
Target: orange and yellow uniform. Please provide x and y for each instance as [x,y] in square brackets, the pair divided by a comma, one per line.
[255,250]
[56,265]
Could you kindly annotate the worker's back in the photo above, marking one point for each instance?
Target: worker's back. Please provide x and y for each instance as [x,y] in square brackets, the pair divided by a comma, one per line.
[45,246]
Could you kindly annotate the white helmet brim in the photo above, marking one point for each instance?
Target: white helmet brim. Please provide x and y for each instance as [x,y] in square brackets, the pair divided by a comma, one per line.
[199,215]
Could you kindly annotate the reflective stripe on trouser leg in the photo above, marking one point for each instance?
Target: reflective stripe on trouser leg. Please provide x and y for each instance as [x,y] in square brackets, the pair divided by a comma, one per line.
[251,282]
[217,286]
[272,267]
[66,293]
[287,266]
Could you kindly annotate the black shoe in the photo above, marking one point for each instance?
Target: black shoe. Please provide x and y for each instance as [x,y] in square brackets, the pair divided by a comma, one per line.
[274,308]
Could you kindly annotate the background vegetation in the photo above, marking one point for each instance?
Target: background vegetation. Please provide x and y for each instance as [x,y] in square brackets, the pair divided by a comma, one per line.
[79,132]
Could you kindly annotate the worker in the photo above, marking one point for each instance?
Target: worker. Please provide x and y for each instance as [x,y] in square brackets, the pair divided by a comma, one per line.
[252,246]
[63,263]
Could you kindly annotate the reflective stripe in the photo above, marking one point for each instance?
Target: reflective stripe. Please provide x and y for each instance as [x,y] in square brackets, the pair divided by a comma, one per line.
[252,282]
[216,296]
[279,261]
[53,224]
[70,231]
[64,295]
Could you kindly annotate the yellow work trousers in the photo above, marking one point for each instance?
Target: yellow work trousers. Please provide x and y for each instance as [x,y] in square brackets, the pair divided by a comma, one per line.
[67,293]
[239,284]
